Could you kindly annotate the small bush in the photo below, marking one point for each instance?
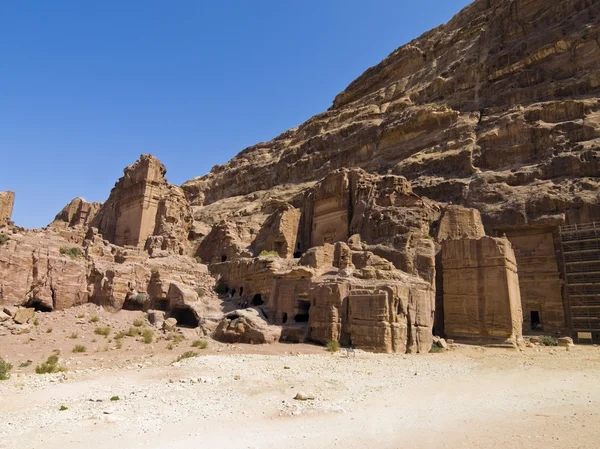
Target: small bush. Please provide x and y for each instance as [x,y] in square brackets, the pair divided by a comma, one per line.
[265,253]
[115,398]
[333,346]
[141,298]
[170,346]
[119,335]
[81,315]
[94,319]
[4,239]
[138,323]
[220,288]
[175,338]
[119,344]
[104,331]
[50,366]
[198,259]
[547,340]
[201,291]
[73,253]
[435,349]
[187,355]
[74,336]
[200,344]
[25,364]
[133,332]
[5,368]
[79,348]
[36,321]
[147,335]
[63,408]
[49,330]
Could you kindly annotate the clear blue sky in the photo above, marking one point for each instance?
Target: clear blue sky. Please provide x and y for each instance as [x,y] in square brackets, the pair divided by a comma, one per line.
[87,86]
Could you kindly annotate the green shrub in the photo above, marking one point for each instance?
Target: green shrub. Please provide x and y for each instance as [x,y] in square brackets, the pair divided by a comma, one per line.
[74,336]
[187,355]
[119,344]
[49,330]
[50,366]
[333,346]
[94,319]
[115,398]
[436,349]
[147,335]
[4,239]
[79,348]
[265,253]
[5,368]
[63,408]
[141,298]
[25,364]
[133,332]
[201,291]
[73,253]
[220,288]
[200,344]
[547,340]
[198,259]
[119,335]
[138,323]
[36,321]
[102,331]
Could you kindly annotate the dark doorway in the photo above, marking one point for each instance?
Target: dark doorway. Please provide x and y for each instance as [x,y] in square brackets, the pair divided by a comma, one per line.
[161,304]
[223,258]
[241,291]
[536,323]
[39,306]
[257,300]
[284,318]
[303,308]
[185,317]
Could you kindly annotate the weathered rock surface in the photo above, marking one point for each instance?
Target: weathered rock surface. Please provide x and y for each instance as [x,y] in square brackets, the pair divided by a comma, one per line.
[78,212]
[143,204]
[245,326]
[7,200]
[497,110]
[481,289]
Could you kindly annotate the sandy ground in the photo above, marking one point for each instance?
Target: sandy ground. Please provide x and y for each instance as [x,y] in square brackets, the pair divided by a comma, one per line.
[235,396]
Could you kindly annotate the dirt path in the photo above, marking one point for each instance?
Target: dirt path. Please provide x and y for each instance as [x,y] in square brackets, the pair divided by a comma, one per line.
[465,398]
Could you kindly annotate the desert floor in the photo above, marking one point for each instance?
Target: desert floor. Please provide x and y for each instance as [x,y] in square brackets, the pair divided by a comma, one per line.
[238,396]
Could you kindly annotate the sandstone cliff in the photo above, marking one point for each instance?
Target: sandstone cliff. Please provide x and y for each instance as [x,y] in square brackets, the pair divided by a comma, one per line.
[497,110]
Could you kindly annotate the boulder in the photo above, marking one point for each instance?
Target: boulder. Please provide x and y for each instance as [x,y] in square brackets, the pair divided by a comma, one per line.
[23,315]
[170,324]
[156,318]
[565,342]
[245,326]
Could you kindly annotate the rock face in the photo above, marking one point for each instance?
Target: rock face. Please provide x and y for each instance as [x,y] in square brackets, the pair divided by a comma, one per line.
[481,289]
[77,213]
[44,270]
[142,204]
[497,110]
[7,200]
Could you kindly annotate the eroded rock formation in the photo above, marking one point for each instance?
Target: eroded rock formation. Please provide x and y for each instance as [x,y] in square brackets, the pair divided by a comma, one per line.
[481,289]
[7,200]
[404,201]
[142,204]
[78,212]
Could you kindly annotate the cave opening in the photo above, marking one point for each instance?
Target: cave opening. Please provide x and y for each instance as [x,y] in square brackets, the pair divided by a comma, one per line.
[284,318]
[303,311]
[185,317]
[257,300]
[223,258]
[39,306]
